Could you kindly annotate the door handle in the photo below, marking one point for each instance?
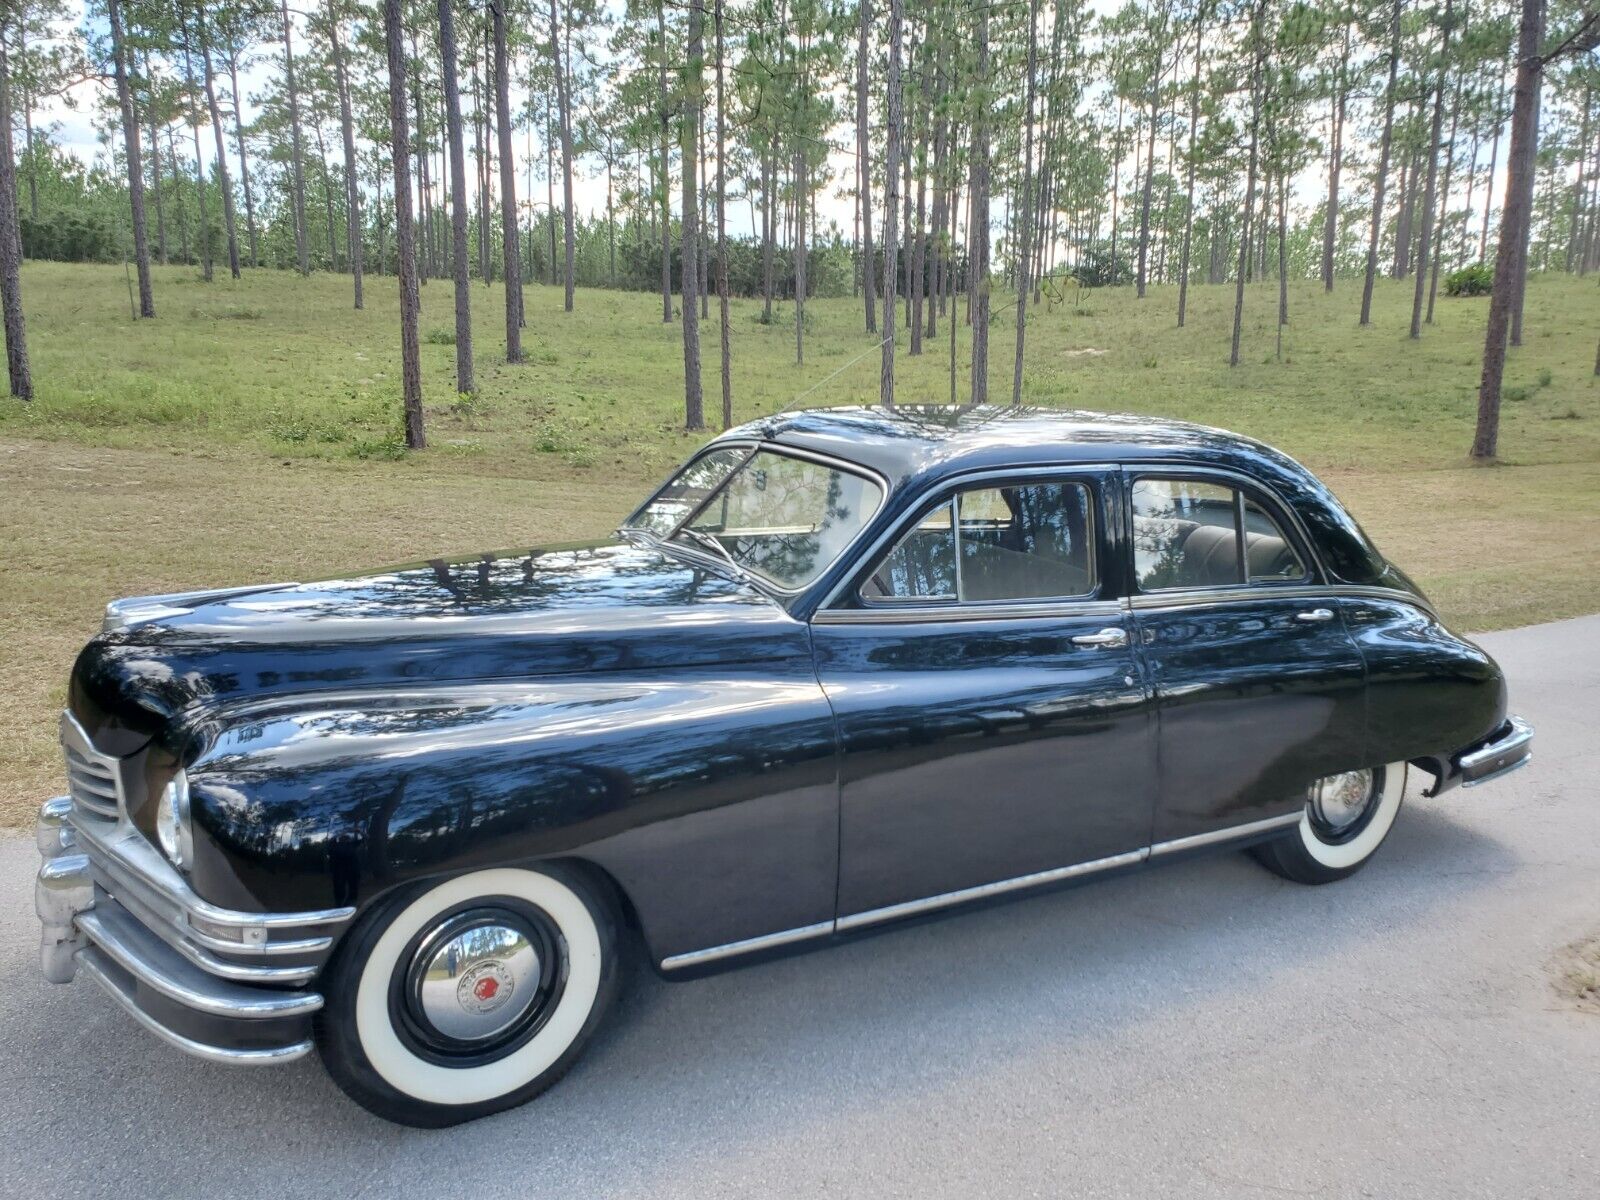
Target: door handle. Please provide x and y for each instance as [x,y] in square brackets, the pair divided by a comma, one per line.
[1106,637]
[1315,614]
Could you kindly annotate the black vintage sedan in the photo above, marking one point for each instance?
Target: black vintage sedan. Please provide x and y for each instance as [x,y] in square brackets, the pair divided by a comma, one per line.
[846,667]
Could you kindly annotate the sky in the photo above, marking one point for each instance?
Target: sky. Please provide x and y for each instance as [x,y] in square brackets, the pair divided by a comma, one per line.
[71,126]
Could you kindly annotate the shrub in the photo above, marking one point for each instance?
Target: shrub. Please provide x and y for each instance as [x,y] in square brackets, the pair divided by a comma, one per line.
[1474,280]
[440,337]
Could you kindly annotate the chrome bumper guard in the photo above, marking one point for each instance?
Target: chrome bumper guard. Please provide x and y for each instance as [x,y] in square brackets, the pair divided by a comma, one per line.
[1508,748]
[214,982]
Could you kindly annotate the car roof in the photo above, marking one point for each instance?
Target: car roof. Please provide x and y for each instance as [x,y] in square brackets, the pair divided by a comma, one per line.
[913,447]
[943,439]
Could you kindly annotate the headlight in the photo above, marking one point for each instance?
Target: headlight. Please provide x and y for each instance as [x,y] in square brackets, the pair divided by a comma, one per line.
[172,821]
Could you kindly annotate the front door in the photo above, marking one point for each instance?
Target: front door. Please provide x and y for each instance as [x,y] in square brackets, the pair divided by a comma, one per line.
[992,716]
[1259,687]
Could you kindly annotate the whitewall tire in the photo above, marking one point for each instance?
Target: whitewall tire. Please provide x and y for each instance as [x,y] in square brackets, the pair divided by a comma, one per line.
[457,998]
[1347,817]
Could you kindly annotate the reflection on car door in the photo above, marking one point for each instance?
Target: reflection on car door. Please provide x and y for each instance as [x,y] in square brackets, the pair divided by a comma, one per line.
[993,724]
[1259,688]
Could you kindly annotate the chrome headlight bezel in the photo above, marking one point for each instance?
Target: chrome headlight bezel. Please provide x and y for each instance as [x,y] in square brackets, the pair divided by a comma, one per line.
[174,831]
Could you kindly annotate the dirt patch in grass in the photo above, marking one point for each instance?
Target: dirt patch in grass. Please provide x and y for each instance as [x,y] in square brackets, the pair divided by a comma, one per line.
[1576,971]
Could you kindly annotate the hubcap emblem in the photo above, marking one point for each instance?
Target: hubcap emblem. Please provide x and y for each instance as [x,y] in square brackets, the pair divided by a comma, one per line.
[485,988]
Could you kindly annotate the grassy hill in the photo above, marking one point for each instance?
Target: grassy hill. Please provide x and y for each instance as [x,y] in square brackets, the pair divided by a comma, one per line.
[249,433]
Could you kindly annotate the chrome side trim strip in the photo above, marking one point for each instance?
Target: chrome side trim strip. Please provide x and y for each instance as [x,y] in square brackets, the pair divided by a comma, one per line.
[1233,832]
[748,946]
[894,614]
[89,960]
[1234,594]
[983,890]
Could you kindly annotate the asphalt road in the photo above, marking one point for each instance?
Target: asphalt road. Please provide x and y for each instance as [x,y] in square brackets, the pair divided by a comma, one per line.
[1195,1030]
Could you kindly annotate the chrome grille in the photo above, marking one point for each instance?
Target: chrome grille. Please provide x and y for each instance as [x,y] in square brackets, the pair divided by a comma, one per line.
[91,776]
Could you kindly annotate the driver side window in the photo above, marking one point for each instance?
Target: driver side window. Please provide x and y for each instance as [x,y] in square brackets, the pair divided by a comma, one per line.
[1015,542]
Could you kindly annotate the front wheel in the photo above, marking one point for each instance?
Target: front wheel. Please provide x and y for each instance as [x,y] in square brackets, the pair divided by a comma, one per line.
[1346,818]
[453,1000]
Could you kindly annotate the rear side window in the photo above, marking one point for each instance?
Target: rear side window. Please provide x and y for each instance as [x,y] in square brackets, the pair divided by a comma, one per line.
[1021,542]
[1193,534]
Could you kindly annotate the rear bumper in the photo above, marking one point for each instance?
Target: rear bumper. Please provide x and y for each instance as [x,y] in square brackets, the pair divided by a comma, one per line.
[167,956]
[1507,749]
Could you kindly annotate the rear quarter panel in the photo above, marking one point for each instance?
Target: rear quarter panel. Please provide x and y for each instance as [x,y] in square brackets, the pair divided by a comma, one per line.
[1430,692]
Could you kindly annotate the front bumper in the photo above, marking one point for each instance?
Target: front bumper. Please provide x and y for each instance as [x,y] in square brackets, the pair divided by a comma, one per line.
[224,985]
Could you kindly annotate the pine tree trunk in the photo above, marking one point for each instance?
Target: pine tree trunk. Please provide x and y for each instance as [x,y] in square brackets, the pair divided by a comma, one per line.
[1188,203]
[1488,187]
[565,117]
[460,264]
[405,235]
[512,267]
[302,248]
[1245,246]
[155,190]
[352,189]
[18,370]
[918,256]
[688,133]
[130,142]
[722,234]
[244,160]
[1384,144]
[664,118]
[1513,221]
[1527,172]
[1436,129]
[1149,181]
[1442,215]
[1025,209]
[229,222]
[869,285]
[891,176]
[980,216]
[1330,221]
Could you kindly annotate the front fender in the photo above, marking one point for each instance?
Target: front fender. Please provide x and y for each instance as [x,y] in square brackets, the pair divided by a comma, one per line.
[695,793]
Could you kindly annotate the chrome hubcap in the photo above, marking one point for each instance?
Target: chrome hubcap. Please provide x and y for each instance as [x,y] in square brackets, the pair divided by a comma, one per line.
[1337,802]
[476,978]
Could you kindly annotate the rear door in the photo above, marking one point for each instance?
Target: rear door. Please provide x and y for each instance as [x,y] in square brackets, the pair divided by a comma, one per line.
[1259,688]
[992,718]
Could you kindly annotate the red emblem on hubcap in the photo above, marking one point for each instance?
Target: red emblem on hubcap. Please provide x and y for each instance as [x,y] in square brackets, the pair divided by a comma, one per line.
[485,988]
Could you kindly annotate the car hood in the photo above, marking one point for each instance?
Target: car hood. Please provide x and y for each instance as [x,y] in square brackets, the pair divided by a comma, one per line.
[607,606]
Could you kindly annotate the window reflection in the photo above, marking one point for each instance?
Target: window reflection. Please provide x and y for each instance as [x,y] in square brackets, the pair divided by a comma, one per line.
[1186,534]
[785,518]
[1025,542]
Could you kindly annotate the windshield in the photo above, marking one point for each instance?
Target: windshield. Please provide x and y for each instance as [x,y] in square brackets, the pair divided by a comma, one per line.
[782,518]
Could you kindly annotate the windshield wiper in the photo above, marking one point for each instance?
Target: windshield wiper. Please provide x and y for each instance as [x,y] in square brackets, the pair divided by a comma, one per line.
[705,540]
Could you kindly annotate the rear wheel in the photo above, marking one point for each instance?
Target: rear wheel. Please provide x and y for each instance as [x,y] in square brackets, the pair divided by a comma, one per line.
[453,1000]
[1346,819]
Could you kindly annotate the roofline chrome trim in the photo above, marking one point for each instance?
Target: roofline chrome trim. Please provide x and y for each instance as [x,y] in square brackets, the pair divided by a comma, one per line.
[1232,833]
[890,912]
[694,958]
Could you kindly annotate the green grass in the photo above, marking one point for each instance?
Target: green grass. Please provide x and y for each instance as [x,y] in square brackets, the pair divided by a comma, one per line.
[251,432]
